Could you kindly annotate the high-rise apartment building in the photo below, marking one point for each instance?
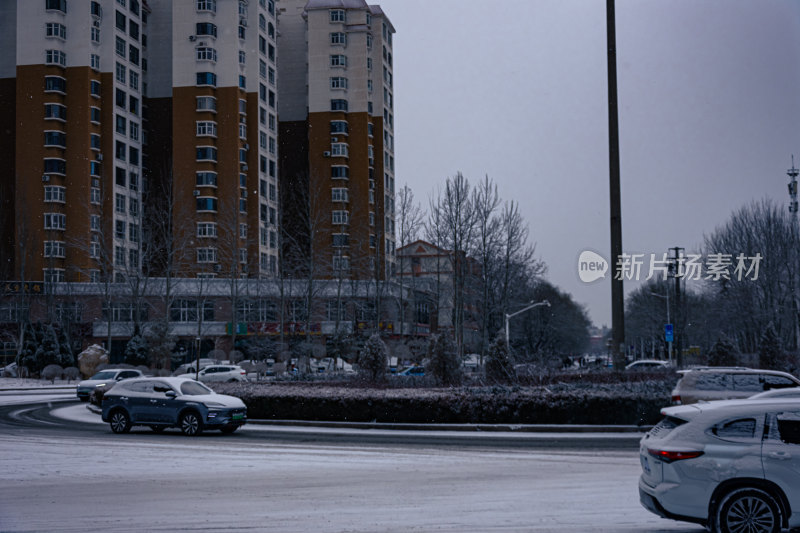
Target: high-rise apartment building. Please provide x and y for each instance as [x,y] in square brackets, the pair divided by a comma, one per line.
[213,131]
[117,115]
[337,135]
[71,90]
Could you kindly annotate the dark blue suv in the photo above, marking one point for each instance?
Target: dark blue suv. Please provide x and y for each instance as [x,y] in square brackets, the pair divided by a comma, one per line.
[166,402]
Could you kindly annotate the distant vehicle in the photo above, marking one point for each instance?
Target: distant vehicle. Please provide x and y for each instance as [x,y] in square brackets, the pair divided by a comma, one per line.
[648,364]
[413,371]
[191,366]
[774,394]
[161,403]
[217,373]
[727,383]
[10,370]
[731,466]
[103,379]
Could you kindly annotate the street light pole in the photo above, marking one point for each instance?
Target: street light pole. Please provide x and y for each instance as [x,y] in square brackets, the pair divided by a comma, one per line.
[531,306]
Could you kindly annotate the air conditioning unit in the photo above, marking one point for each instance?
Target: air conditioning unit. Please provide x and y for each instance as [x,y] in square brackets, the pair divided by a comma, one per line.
[326,154]
[99,157]
[334,139]
[192,38]
[45,178]
[196,192]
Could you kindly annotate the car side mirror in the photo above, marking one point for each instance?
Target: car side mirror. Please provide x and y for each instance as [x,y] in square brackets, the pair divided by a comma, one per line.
[171,394]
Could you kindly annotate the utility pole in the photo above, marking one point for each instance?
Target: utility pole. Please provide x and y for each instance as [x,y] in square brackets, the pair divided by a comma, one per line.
[617,293]
[678,260]
[793,282]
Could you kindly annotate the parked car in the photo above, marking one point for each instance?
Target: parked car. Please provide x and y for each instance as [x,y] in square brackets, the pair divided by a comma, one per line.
[103,378]
[166,402]
[729,465]
[774,394]
[9,371]
[648,364]
[413,371]
[727,383]
[217,373]
[190,367]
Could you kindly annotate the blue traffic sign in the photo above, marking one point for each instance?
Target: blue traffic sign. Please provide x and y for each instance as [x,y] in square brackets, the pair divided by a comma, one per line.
[668,333]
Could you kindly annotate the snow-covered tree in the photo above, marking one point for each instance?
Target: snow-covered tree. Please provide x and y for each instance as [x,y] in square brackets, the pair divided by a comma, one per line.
[723,353]
[373,359]
[770,351]
[499,364]
[443,360]
[136,352]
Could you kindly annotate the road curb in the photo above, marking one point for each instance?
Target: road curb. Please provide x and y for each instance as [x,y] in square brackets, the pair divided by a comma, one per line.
[521,428]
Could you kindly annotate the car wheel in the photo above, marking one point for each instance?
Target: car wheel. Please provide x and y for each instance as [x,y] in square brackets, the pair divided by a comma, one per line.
[83,398]
[191,424]
[120,422]
[229,429]
[158,429]
[747,510]
[232,380]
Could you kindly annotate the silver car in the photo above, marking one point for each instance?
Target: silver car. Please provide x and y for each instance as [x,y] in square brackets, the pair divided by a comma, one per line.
[733,466]
[727,383]
[103,379]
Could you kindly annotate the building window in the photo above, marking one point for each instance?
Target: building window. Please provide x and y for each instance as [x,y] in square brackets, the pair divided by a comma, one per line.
[369,41]
[54,29]
[120,227]
[134,207]
[206,229]
[206,103]
[94,222]
[119,47]
[134,77]
[95,35]
[54,275]
[120,150]
[121,124]
[133,30]
[186,310]
[120,176]
[134,131]
[95,9]
[95,197]
[242,82]
[120,72]
[94,141]
[120,203]
[206,53]
[206,255]
[94,115]
[340,217]
[338,15]
[339,194]
[55,166]
[94,88]
[338,82]
[207,5]
[133,54]
[242,32]
[206,153]
[55,138]
[207,78]
[56,57]
[119,256]
[58,5]
[338,37]
[133,155]
[207,204]
[242,57]
[54,193]
[206,28]
[55,221]
[341,239]
[121,22]
[340,172]
[206,129]
[56,112]
[338,60]
[55,84]
[338,105]
[206,179]
[339,149]
[339,127]
[341,262]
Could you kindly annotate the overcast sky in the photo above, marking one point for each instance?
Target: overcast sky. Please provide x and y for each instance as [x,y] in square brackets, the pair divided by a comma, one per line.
[709,96]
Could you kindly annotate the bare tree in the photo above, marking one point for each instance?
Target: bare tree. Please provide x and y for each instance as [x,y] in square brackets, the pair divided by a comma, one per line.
[409,222]
[487,236]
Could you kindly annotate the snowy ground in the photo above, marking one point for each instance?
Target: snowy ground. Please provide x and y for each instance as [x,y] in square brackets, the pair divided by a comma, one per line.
[30,383]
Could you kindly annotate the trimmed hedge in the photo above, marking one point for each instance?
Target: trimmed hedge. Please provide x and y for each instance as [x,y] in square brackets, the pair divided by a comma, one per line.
[623,403]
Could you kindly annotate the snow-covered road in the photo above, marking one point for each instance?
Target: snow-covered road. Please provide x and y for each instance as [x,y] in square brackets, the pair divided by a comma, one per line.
[146,482]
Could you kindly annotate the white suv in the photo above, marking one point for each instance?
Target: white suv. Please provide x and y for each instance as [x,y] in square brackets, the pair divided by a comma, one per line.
[219,373]
[733,466]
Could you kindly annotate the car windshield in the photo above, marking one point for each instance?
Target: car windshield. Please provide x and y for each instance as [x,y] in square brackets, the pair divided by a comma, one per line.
[193,388]
[106,374]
